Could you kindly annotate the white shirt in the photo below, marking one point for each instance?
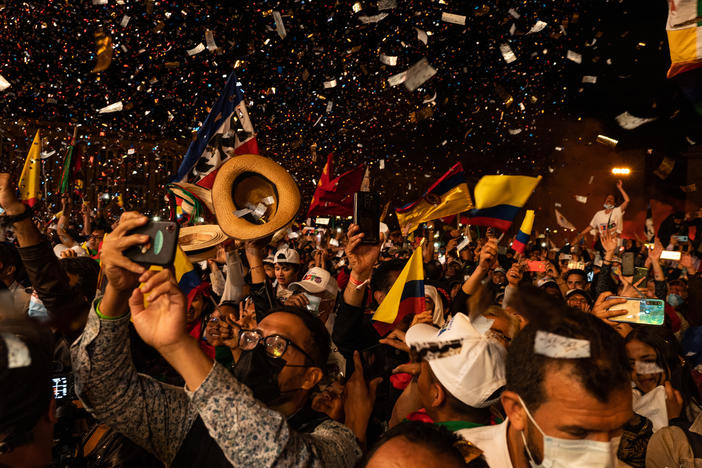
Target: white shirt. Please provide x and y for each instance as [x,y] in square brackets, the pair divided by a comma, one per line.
[602,220]
[492,440]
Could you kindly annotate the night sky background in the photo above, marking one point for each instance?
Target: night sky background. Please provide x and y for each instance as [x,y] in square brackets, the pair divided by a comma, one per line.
[539,114]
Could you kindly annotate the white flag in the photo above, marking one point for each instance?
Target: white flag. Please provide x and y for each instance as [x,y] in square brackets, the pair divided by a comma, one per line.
[563,222]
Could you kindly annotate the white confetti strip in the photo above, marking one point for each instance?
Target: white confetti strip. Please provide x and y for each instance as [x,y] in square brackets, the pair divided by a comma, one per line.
[373,19]
[630,122]
[125,21]
[422,35]
[390,60]
[560,347]
[574,56]
[330,84]
[418,74]
[507,53]
[386,4]
[115,107]
[4,84]
[538,27]
[197,49]
[580,199]
[589,79]
[454,19]
[395,80]
[209,38]
[279,26]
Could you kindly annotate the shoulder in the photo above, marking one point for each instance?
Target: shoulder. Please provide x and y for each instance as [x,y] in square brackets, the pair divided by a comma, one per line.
[475,434]
[336,444]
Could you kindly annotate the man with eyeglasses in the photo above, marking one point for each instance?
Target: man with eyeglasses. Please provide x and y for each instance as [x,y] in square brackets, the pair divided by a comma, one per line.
[256,416]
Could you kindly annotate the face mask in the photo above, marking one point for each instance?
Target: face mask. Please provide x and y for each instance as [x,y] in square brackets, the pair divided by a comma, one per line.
[259,371]
[608,206]
[674,300]
[37,309]
[579,453]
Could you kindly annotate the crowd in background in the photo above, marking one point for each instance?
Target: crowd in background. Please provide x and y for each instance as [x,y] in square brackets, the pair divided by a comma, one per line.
[273,358]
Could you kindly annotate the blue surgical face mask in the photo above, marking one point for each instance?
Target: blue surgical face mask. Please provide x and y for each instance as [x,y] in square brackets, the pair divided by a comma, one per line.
[674,300]
[608,206]
[37,309]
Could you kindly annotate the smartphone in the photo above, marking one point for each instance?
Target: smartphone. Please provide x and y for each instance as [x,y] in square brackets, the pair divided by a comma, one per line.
[536,265]
[160,250]
[628,264]
[671,255]
[639,273]
[681,239]
[639,310]
[62,384]
[576,265]
[366,214]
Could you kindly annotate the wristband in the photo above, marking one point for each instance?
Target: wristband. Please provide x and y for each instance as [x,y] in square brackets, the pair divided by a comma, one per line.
[105,317]
[356,283]
[10,220]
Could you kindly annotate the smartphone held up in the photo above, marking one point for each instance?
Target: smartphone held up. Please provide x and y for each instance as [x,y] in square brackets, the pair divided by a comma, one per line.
[161,247]
[366,214]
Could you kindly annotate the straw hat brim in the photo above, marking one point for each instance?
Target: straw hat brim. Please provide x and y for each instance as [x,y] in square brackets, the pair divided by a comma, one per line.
[204,195]
[200,237]
[201,255]
[250,179]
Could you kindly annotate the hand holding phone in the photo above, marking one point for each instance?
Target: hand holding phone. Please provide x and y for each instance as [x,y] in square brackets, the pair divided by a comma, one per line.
[639,310]
[161,247]
[366,214]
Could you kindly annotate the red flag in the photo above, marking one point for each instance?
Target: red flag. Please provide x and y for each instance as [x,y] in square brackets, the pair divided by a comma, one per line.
[335,196]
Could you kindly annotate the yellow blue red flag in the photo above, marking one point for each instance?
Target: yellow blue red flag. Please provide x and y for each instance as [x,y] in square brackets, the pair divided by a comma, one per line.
[405,297]
[498,199]
[524,233]
[684,28]
[448,196]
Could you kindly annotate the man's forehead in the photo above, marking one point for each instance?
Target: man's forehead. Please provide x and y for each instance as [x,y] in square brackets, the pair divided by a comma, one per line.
[567,403]
[283,323]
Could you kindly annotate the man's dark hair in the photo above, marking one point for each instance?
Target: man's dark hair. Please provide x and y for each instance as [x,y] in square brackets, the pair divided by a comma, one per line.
[318,344]
[87,271]
[435,438]
[382,279]
[606,370]
[576,271]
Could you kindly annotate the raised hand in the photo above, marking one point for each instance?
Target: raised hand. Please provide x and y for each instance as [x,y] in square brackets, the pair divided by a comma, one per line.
[396,339]
[362,257]
[360,398]
[488,254]
[609,241]
[161,324]
[121,272]
[8,199]
[655,253]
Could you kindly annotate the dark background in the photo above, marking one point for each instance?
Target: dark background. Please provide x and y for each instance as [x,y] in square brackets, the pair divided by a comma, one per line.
[533,116]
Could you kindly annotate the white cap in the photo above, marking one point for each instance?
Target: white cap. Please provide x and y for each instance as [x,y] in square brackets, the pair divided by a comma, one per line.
[287,256]
[472,372]
[316,280]
[269,259]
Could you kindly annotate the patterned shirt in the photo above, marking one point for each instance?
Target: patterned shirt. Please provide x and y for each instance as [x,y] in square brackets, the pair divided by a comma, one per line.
[158,416]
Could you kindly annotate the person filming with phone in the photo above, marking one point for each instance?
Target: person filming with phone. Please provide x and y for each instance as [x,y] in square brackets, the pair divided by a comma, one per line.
[256,416]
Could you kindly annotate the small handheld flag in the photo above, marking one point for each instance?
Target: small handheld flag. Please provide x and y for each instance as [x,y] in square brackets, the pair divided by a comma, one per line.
[30,180]
[405,297]
[498,199]
[522,239]
[448,196]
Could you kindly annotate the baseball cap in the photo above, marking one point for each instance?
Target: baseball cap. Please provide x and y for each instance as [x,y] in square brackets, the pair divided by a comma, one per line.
[576,292]
[546,283]
[316,280]
[269,259]
[287,256]
[468,364]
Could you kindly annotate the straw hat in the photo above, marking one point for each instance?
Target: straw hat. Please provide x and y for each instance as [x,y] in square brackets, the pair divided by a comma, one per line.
[254,197]
[200,242]
[187,191]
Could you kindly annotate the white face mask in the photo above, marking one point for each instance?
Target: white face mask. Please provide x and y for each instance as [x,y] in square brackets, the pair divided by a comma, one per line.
[578,453]
[608,206]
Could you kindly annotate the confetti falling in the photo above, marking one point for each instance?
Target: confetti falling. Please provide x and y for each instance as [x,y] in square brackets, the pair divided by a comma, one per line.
[319,73]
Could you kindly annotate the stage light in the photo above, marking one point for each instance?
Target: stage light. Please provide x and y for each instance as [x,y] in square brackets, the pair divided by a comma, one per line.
[621,171]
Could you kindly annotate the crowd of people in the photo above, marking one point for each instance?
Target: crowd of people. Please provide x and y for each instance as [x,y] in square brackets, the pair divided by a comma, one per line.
[272,358]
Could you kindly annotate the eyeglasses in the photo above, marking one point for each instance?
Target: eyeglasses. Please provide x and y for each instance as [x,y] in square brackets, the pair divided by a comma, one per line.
[275,345]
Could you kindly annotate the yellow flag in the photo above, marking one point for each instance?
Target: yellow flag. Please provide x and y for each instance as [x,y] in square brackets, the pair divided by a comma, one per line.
[30,180]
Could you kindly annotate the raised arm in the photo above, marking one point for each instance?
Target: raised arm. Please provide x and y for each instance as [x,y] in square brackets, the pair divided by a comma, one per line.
[62,223]
[154,415]
[620,186]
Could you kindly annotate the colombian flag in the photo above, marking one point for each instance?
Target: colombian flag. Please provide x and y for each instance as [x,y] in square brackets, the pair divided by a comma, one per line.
[684,29]
[187,278]
[524,233]
[498,198]
[448,196]
[30,180]
[405,297]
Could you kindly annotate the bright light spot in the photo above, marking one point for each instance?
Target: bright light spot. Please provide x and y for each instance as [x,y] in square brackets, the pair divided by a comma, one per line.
[621,171]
